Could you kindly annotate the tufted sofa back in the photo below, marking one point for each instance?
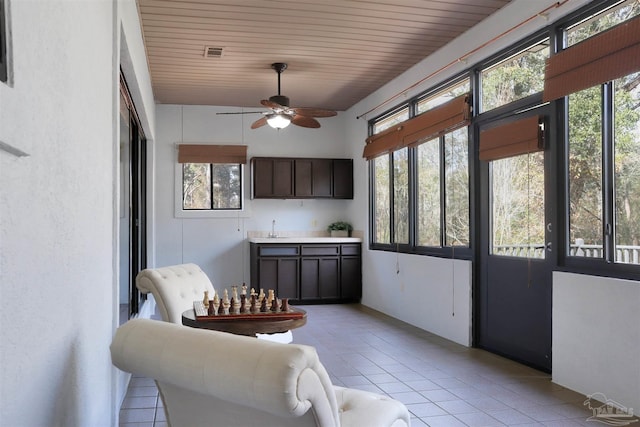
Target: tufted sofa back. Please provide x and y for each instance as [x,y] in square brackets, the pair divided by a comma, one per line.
[174,288]
[219,379]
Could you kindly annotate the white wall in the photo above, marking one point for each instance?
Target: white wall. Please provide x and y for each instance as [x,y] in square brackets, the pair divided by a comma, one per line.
[596,336]
[219,245]
[57,216]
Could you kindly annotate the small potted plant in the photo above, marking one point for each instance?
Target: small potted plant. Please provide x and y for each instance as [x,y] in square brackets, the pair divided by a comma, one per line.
[340,229]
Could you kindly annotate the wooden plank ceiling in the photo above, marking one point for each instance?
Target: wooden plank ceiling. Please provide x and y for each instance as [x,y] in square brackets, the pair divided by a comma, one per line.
[338,51]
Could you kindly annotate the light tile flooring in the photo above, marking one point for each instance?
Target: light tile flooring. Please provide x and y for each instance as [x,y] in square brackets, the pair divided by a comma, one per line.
[442,383]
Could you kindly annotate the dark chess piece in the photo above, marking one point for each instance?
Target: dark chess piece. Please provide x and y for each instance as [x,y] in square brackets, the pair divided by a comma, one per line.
[211,309]
[263,306]
[285,305]
[274,306]
[221,308]
[253,308]
[243,301]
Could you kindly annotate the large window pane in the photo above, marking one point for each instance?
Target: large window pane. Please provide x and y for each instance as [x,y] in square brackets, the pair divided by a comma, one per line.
[401,195]
[226,191]
[382,201]
[196,186]
[601,22]
[429,213]
[585,173]
[627,168]
[514,78]
[457,188]
[517,206]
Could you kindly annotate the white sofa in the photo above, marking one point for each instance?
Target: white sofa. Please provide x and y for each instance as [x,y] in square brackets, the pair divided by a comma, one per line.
[209,378]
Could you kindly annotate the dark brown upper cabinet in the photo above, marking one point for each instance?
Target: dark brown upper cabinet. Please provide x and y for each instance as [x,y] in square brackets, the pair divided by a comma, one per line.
[302,178]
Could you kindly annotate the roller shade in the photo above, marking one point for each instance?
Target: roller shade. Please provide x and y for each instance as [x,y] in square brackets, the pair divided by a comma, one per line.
[513,139]
[438,121]
[607,56]
[194,153]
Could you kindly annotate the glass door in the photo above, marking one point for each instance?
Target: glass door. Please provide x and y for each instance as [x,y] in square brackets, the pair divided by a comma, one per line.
[513,309]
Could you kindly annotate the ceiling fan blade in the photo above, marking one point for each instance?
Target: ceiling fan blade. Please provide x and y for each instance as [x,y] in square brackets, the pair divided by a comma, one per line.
[243,112]
[259,123]
[305,122]
[313,112]
[270,104]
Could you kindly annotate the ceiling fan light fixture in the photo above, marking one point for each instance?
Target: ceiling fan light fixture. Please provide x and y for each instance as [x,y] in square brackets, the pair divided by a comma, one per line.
[278,121]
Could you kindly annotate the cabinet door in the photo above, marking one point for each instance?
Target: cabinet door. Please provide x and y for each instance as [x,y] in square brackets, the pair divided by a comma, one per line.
[351,278]
[319,278]
[313,177]
[283,177]
[279,274]
[272,178]
[343,179]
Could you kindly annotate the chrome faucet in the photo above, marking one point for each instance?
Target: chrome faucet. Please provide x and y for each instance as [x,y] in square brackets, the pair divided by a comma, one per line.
[273,229]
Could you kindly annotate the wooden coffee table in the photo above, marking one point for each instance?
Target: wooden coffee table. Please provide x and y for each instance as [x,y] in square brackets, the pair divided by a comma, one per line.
[250,324]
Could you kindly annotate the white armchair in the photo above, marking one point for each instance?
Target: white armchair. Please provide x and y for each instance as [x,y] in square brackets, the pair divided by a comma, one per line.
[219,379]
[174,288]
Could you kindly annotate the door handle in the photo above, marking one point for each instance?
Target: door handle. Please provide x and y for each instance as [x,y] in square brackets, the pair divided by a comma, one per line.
[548,246]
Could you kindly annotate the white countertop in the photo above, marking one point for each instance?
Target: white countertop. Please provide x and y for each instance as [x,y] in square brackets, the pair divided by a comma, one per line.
[305,240]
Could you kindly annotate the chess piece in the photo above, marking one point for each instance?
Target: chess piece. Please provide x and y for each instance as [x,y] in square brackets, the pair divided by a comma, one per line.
[285,305]
[252,307]
[274,305]
[270,298]
[243,303]
[225,302]
[205,300]
[234,292]
[243,291]
[216,303]
[263,306]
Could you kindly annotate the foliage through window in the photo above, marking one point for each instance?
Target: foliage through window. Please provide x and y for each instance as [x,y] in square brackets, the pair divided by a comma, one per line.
[514,78]
[428,208]
[211,186]
[603,161]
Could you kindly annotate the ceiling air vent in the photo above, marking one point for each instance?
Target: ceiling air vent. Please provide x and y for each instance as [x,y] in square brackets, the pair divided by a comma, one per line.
[212,52]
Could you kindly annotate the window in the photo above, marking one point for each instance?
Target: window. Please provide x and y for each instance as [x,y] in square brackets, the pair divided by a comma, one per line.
[603,156]
[211,186]
[515,77]
[209,178]
[420,197]
[596,24]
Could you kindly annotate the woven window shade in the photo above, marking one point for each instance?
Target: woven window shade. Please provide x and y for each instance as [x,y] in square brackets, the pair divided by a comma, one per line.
[513,139]
[607,56]
[193,153]
[438,121]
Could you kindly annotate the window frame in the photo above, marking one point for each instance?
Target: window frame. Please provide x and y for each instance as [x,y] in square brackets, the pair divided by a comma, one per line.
[606,266]
[460,252]
[179,212]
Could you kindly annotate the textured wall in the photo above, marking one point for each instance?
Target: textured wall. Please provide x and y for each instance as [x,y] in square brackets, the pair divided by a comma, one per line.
[56,216]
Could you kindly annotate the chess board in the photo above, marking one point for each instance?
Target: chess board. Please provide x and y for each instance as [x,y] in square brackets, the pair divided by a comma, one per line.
[203,315]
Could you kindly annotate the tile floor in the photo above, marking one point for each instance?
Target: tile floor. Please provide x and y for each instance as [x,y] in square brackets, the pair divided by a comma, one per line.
[442,383]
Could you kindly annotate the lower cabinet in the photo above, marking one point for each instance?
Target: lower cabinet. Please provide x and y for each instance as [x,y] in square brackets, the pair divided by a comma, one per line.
[308,272]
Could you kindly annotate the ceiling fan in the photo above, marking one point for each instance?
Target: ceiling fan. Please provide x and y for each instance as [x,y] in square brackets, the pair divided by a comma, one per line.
[281,114]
